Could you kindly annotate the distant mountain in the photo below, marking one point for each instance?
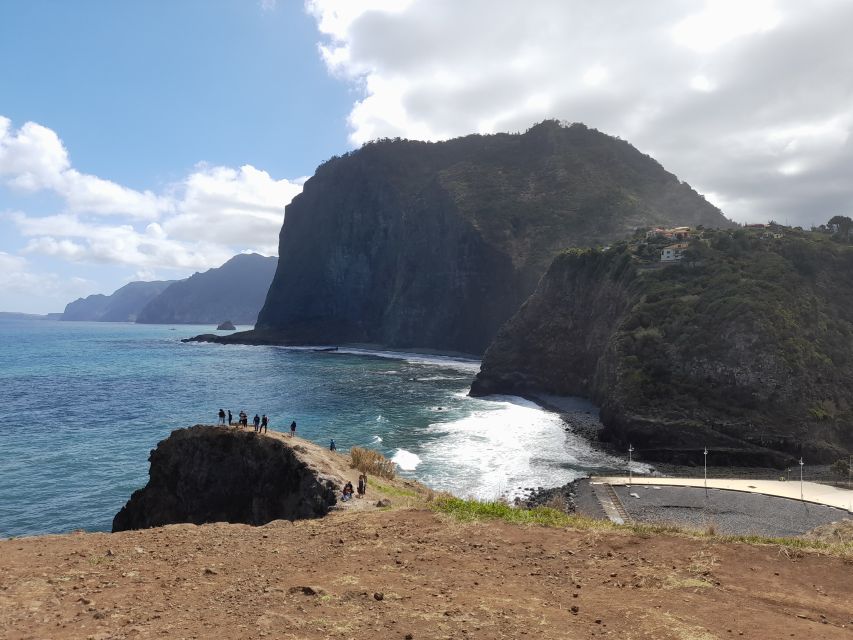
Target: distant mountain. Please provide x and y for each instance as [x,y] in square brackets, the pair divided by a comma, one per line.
[123,305]
[235,291]
[417,244]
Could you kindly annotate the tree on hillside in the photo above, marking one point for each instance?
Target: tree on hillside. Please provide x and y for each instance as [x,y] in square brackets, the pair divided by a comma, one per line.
[841,226]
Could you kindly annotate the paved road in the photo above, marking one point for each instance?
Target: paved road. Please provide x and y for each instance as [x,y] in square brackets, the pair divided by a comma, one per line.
[733,512]
[812,491]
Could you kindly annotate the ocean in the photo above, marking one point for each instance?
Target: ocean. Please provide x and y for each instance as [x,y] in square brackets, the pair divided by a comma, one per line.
[84,403]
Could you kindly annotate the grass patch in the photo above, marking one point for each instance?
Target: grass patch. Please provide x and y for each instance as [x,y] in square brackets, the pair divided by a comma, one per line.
[474,511]
[372,463]
[388,490]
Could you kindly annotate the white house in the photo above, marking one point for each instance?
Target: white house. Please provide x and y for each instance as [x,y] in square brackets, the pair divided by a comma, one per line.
[673,252]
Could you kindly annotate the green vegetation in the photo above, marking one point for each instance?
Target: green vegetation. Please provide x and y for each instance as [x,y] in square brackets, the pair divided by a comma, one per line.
[389,490]
[774,312]
[476,511]
[745,345]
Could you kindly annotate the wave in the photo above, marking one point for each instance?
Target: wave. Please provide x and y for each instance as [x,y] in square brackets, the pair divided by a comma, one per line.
[406,460]
[505,446]
[376,440]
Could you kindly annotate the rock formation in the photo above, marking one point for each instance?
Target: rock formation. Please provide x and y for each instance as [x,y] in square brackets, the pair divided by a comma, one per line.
[236,290]
[226,326]
[743,347]
[123,305]
[434,245]
[219,474]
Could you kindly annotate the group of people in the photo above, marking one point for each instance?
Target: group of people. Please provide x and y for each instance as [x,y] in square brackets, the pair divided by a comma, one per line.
[362,488]
[260,423]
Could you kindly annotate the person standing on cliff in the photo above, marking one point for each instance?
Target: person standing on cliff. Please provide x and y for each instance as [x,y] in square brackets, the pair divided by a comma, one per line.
[264,423]
[230,418]
[293,428]
[362,485]
[221,416]
[257,422]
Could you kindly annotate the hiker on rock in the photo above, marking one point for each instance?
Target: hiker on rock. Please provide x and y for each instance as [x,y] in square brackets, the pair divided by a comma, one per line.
[221,416]
[293,428]
[332,446]
[257,422]
[347,492]
[230,418]
[362,485]
[264,423]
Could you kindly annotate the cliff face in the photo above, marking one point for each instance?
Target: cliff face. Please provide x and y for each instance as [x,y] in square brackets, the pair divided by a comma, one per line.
[234,291]
[124,305]
[413,244]
[746,348]
[219,474]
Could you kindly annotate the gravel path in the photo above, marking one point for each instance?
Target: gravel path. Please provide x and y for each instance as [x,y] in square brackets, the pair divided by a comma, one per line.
[730,512]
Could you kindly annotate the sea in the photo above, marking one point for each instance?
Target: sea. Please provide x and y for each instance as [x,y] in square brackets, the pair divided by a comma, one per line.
[84,403]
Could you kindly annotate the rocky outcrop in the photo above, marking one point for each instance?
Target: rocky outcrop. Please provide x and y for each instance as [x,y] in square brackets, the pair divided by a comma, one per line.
[219,474]
[226,326]
[745,348]
[123,305]
[235,290]
[434,245]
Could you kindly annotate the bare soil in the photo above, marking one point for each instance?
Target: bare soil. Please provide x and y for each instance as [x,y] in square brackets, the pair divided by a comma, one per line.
[410,573]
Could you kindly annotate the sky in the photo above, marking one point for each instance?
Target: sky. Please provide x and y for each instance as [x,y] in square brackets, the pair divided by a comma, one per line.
[149,140]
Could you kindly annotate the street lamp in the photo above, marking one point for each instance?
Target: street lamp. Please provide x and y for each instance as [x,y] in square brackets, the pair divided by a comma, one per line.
[801,477]
[630,476]
[705,453]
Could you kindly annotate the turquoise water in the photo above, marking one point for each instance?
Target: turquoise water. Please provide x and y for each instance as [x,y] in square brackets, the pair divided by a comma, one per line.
[84,404]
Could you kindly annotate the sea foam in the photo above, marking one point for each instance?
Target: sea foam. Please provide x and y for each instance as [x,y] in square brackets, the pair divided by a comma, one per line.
[406,460]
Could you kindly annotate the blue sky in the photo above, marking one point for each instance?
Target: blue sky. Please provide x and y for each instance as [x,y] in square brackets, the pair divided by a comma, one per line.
[149,140]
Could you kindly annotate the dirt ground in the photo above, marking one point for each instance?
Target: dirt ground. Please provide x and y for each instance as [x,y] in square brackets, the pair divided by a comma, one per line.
[414,574]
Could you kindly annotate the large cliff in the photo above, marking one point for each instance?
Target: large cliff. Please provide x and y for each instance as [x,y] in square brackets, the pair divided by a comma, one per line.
[234,291]
[415,244]
[220,474]
[746,346]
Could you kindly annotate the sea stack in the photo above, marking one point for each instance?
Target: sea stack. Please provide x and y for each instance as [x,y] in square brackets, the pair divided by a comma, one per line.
[226,326]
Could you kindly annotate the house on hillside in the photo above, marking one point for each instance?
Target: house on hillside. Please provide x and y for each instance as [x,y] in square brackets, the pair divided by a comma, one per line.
[675,233]
[674,252]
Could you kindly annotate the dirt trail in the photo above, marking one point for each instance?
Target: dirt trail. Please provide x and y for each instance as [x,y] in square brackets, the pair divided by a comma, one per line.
[413,574]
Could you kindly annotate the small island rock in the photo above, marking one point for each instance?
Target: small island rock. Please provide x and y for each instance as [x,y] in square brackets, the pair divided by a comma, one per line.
[226,326]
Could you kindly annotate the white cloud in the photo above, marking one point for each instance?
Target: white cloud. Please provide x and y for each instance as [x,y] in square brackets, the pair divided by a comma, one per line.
[196,223]
[267,5]
[249,207]
[17,276]
[33,158]
[724,92]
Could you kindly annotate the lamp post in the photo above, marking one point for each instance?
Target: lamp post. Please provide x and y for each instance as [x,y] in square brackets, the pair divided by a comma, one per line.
[801,477]
[705,453]
[630,475]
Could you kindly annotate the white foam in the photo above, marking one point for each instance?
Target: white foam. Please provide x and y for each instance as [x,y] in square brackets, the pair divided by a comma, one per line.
[406,460]
[377,439]
[505,445]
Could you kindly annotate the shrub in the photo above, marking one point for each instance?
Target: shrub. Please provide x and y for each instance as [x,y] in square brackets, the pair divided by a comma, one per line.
[372,463]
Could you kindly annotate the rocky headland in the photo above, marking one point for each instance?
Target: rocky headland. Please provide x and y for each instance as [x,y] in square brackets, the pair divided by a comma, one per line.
[223,474]
[434,245]
[742,347]
[235,290]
